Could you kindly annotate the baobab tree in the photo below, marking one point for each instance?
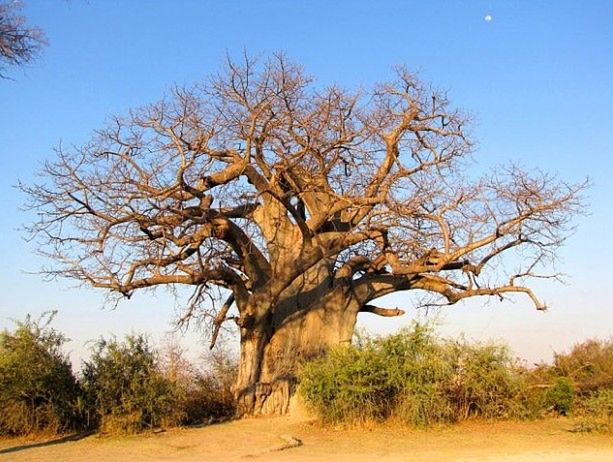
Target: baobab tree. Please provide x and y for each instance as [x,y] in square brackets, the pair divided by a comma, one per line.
[294,207]
[19,43]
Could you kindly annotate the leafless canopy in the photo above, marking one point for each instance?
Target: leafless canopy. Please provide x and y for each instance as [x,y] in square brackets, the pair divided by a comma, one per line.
[254,178]
[19,43]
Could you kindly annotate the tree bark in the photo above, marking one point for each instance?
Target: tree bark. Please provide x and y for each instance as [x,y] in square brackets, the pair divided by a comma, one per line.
[301,326]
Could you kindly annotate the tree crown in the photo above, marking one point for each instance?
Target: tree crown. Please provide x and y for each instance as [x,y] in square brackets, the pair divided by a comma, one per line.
[258,177]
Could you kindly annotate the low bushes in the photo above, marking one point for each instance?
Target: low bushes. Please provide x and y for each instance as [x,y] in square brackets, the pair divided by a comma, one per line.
[128,388]
[348,384]
[415,377]
[560,396]
[487,382]
[596,412]
[588,369]
[588,364]
[420,379]
[125,387]
[38,391]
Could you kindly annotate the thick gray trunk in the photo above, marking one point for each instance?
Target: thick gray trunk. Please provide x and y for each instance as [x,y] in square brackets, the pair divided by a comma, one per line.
[300,327]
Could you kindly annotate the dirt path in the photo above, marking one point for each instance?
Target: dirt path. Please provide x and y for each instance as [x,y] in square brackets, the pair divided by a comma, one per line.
[544,441]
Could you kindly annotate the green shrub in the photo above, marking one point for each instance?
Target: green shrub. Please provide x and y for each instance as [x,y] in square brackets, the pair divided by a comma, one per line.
[414,377]
[486,382]
[418,370]
[425,406]
[350,383]
[125,389]
[574,377]
[560,396]
[589,365]
[597,411]
[38,391]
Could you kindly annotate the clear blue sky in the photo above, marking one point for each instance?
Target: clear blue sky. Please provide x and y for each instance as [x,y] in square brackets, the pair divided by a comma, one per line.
[537,79]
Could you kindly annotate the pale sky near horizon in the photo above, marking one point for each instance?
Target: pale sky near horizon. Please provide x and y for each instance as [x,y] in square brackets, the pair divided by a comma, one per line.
[536,77]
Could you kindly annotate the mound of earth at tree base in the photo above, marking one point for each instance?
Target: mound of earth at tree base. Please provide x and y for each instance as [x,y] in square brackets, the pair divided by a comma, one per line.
[260,439]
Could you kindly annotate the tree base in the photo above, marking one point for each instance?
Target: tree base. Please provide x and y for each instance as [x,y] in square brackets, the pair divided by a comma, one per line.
[267,399]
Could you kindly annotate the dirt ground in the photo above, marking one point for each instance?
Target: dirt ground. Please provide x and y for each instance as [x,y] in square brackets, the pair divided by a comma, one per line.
[256,439]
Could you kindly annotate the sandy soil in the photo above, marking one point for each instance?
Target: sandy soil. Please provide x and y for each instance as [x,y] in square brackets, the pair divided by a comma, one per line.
[543,441]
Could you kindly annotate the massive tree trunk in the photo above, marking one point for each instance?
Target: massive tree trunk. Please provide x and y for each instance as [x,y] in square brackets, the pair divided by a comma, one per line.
[312,316]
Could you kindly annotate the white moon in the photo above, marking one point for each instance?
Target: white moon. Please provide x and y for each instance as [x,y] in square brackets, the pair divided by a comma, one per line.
[488,18]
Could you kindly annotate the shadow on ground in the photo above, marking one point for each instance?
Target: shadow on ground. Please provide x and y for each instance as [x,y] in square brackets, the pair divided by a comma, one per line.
[42,444]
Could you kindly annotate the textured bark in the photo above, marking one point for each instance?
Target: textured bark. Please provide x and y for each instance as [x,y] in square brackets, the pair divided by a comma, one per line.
[269,357]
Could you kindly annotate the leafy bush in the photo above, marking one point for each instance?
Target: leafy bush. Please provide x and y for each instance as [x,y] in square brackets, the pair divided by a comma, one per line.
[125,389]
[595,412]
[415,377]
[38,391]
[487,382]
[560,396]
[418,370]
[589,365]
[350,383]
[601,404]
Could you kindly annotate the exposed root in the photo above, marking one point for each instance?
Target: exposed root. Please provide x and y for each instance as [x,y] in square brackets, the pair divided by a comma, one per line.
[289,443]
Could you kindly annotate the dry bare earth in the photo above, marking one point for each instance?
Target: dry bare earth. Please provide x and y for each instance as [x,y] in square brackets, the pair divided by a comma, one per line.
[541,441]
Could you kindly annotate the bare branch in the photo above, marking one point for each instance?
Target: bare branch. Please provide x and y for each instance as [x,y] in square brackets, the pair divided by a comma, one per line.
[220,319]
[19,43]
[385,312]
[260,182]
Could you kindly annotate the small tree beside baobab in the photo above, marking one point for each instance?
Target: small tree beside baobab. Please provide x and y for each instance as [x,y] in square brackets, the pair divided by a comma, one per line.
[294,207]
